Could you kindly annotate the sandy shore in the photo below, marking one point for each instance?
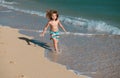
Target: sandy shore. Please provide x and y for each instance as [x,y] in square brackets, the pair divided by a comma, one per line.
[20,60]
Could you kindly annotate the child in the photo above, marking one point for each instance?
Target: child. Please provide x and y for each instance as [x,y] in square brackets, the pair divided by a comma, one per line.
[54,24]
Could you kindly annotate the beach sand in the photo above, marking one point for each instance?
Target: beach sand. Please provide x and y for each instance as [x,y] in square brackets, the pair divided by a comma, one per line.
[20,60]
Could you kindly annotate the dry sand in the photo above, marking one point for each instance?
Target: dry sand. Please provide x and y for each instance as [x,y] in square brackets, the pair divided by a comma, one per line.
[20,60]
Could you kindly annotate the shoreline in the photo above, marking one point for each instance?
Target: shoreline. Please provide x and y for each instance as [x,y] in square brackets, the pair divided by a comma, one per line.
[93,54]
[20,60]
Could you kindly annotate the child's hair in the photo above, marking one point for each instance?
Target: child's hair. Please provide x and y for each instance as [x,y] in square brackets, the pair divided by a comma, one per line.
[49,14]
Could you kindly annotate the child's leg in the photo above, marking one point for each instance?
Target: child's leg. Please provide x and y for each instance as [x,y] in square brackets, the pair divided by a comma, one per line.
[55,43]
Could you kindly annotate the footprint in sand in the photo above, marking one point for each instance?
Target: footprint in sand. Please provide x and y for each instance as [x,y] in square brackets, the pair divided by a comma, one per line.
[1,43]
[11,62]
[22,76]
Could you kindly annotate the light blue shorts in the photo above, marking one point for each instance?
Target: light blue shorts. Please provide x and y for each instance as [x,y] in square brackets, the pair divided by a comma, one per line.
[55,35]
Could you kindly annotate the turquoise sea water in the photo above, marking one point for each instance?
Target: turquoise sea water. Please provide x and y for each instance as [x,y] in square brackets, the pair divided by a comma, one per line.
[100,16]
[93,9]
[85,8]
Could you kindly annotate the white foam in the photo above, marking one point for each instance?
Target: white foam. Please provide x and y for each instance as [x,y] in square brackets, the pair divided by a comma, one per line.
[103,27]
[79,73]
[25,11]
[66,33]
[73,21]
[5,2]
[91,25]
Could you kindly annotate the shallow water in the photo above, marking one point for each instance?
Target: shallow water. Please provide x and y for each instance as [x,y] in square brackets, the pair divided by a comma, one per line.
[94,56]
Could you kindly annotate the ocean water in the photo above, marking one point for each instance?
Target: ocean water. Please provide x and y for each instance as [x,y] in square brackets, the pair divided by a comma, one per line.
[90,15]
[91,46]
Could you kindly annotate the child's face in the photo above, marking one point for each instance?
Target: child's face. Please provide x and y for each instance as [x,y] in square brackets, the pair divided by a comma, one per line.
[54,16]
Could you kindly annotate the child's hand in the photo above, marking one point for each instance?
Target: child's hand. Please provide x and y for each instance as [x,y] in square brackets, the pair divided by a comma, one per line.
[42,34]
[65,31]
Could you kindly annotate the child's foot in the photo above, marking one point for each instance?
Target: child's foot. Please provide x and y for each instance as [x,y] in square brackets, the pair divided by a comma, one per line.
[58,52]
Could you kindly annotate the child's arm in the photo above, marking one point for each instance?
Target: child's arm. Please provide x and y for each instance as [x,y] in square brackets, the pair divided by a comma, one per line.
[45,29]
[62,26]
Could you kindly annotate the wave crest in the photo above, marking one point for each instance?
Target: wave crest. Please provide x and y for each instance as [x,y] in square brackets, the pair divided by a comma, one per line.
[5,2]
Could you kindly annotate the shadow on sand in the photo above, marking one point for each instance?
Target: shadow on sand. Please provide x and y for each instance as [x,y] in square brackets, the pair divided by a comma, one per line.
[36,42]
